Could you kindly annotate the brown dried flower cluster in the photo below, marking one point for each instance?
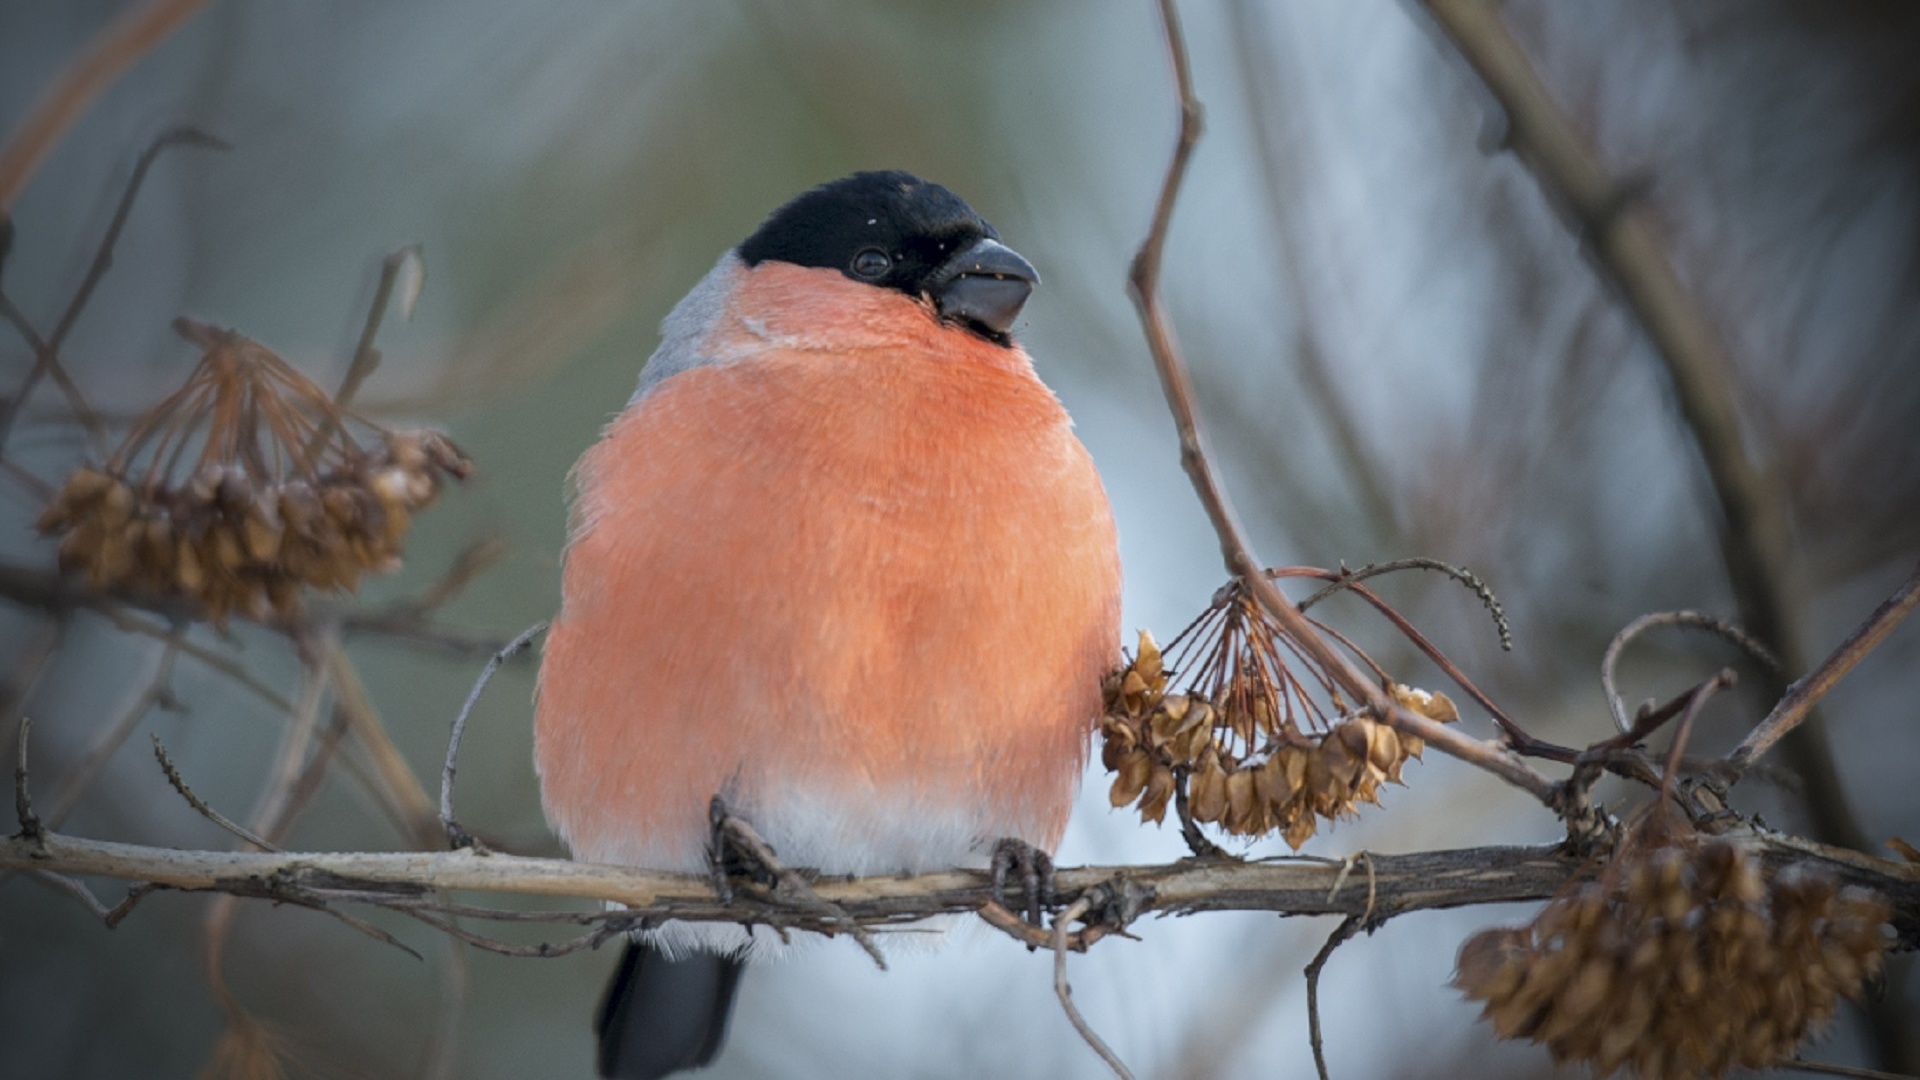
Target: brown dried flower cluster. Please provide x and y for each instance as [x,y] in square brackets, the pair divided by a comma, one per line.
[278,498]
[1686,958]
[1256,754]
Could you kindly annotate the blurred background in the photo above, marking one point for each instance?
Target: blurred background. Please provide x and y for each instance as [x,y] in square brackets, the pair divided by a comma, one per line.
[1401,346]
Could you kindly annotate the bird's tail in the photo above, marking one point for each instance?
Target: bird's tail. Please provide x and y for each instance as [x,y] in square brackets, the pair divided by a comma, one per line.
[660,1015]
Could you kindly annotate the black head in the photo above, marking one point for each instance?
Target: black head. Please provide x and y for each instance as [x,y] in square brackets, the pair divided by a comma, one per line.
[896,231]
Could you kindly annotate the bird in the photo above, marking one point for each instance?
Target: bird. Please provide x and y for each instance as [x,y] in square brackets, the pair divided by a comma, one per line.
[842,561]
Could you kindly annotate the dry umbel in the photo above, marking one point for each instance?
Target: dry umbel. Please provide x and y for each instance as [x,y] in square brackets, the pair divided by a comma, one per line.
[1685,958]
[244,487]
[1254,751]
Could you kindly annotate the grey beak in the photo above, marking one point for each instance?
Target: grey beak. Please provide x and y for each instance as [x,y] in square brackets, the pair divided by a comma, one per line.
[985,286]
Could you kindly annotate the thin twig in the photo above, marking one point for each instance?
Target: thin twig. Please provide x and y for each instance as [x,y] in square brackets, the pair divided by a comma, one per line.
[475,559]
[103,255]
[365,357]
[1064,991]
[1645,723]
[1460,574]
[46,362]
[1373,885]
[211,658]
[457,836]
[1197,841]
[397,788]
[291,757]
[74,889]
[30,665]
[1241,562]
[1683,731]
[116,48]
[592,939]
[200,805]
[111,53]
[1831,1069]
[1693,619]
[1348,927]
[30,827]
[443,1049]
[1801,697]
[357,923]
[157,692]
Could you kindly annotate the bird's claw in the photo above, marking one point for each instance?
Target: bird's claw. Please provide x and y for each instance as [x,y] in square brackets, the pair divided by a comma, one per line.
[1036,876]
[734,846]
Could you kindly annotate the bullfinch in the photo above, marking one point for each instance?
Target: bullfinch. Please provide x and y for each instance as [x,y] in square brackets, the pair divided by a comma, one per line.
[841,561]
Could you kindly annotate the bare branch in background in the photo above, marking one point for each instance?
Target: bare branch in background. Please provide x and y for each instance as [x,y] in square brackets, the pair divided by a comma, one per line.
[1620,231]
[1143,285]
[120,45]
[158,691]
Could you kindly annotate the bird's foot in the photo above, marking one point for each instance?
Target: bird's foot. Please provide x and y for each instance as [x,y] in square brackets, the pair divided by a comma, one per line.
[738,848]
[1036,877]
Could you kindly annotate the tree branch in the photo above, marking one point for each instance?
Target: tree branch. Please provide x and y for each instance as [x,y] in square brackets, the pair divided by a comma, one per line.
[1803,695]
[1241,562]
[1399,883]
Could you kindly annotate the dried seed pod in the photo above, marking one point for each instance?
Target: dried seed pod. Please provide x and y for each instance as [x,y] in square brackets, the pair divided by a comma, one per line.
[1239,711]
[1131,774]
[1207,789]
[1153,804]
[268,508]
[1636,970]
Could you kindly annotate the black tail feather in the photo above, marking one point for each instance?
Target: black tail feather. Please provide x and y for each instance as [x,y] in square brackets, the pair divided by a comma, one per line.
[660,1016]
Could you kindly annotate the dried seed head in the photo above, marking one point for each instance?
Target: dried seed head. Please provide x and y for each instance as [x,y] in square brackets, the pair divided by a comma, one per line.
[1258,756]
[280,498]
[1685,959]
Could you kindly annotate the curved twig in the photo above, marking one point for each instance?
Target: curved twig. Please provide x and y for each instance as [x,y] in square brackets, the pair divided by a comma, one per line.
[1348,927]
[457,836]
[1064,992]
[108,56]
[1693,619]
[1472,581]
[200,805]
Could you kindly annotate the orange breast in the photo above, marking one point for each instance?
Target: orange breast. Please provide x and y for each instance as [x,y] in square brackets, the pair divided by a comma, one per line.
[866,593]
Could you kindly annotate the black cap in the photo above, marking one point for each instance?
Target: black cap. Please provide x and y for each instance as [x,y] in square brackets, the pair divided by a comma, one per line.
[896,231]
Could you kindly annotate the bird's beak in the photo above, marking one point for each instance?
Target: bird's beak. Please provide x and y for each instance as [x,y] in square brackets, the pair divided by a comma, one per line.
[986,285]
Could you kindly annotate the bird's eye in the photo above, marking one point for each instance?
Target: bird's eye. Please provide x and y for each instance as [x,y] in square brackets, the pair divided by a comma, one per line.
[871,263]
